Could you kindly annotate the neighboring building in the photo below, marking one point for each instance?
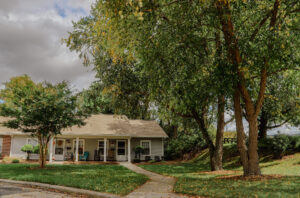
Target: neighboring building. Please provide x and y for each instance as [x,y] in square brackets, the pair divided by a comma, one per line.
[104,137]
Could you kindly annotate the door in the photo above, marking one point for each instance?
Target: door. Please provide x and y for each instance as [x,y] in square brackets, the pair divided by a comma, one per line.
[59,150]
[121,150]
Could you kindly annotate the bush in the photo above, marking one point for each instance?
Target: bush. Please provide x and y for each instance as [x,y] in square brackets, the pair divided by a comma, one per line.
[280,144]
[36,149]
[27,148]
[15,161]
[184,143]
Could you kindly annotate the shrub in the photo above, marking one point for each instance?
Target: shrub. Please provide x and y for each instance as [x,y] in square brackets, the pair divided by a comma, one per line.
[184,143]
[15,161]
[36,149]
[280,144]
[27,148]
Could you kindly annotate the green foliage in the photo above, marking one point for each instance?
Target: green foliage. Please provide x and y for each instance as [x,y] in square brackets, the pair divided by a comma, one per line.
[102,178]
[184,143]
[93,100]
[28,148]
[41,109]
[279,145]
[36,149]
[15,161]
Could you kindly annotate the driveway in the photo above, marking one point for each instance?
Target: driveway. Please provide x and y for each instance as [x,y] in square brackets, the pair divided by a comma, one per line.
[18,191]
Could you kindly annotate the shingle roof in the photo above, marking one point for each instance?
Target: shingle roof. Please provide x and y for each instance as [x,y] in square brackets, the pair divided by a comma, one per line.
[107,125]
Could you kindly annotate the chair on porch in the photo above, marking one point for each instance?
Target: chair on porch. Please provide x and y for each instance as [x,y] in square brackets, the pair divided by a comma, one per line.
[84,157]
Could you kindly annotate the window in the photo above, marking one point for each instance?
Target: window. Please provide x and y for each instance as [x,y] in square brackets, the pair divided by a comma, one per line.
[80,147]
[32,141]
[1,140]
[101,147]
[146,144]
[59,147]
[121,148]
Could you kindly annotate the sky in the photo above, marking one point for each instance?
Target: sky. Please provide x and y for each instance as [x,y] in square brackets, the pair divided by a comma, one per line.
[31,32]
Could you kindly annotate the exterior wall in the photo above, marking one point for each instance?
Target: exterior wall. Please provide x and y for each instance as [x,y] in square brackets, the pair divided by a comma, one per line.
[6,144]
[156,147]
[90,145]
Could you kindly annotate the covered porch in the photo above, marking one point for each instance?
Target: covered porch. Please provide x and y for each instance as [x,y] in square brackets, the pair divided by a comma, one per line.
[90,149]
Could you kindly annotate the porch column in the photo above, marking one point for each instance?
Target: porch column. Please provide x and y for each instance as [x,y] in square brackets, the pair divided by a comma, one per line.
[129,150]
[77,146]
[51,150]
[105,150]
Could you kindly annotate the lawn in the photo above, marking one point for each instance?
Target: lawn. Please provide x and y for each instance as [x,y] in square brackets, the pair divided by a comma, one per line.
[103,178]
[193,180]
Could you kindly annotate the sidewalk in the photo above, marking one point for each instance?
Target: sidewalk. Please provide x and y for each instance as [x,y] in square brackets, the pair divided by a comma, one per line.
[159,186]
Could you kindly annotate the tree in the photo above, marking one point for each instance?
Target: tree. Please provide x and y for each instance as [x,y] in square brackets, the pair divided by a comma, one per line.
[282,105]
[197,52]
[257,48]
[42,110]
[27,148]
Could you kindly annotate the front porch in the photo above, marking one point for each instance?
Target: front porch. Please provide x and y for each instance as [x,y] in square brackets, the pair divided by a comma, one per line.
[75,149]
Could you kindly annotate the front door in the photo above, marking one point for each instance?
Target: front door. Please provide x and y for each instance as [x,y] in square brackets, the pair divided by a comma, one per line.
[121,150]
[59,149]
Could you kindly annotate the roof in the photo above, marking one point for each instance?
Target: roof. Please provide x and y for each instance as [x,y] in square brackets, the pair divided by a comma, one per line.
[107,125]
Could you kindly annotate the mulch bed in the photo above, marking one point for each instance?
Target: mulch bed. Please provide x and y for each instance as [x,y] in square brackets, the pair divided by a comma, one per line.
[251,178]
[220,172]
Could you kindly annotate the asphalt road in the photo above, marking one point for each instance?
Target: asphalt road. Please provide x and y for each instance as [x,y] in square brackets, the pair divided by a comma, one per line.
[19,191]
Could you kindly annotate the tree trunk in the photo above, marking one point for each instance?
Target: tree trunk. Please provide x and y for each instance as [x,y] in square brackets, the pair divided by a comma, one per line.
[211,147]
[218,153]
[43,150]
[263,125]
[252,147]
[241,143]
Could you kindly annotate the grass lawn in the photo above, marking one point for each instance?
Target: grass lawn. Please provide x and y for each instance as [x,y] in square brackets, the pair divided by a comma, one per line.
[104,178]
[193,180]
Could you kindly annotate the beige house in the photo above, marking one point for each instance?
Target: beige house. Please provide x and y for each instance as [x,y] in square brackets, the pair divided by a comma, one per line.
[103,138]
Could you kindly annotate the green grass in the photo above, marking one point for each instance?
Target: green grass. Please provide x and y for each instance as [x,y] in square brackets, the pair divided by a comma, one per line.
[103,178]
[192,180]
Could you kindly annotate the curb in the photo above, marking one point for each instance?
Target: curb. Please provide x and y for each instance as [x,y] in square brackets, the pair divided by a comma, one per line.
[88,193]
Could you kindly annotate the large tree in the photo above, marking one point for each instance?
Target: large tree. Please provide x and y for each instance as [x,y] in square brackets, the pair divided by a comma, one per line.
[198,51]
[41,110]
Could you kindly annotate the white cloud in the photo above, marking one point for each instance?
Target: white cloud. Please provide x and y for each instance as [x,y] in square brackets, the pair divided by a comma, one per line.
[30,40]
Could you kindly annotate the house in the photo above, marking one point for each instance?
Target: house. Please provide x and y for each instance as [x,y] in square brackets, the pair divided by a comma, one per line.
[104,137]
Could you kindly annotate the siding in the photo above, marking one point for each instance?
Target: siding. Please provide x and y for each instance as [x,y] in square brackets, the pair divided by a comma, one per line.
[17,143]
[156,147]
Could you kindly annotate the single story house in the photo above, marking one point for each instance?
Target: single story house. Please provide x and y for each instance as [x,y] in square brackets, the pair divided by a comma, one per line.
[104,137]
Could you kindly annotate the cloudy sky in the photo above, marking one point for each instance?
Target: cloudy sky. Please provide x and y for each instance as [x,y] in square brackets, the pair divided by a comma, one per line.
[30,41]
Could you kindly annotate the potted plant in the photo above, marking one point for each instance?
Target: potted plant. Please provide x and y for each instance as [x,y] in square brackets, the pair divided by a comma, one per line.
[138,151]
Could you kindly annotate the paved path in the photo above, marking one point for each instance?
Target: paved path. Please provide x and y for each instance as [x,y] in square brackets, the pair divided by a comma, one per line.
[159,186]
[17,191]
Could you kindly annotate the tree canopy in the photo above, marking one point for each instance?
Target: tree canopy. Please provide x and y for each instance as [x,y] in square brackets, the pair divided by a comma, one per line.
[42,110]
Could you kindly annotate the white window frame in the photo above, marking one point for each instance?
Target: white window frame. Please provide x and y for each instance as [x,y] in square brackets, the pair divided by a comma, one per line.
[74,146]
[149,146]
[27,141]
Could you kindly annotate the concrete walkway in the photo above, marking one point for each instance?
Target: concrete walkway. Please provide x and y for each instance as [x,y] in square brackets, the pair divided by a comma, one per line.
[159,186]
